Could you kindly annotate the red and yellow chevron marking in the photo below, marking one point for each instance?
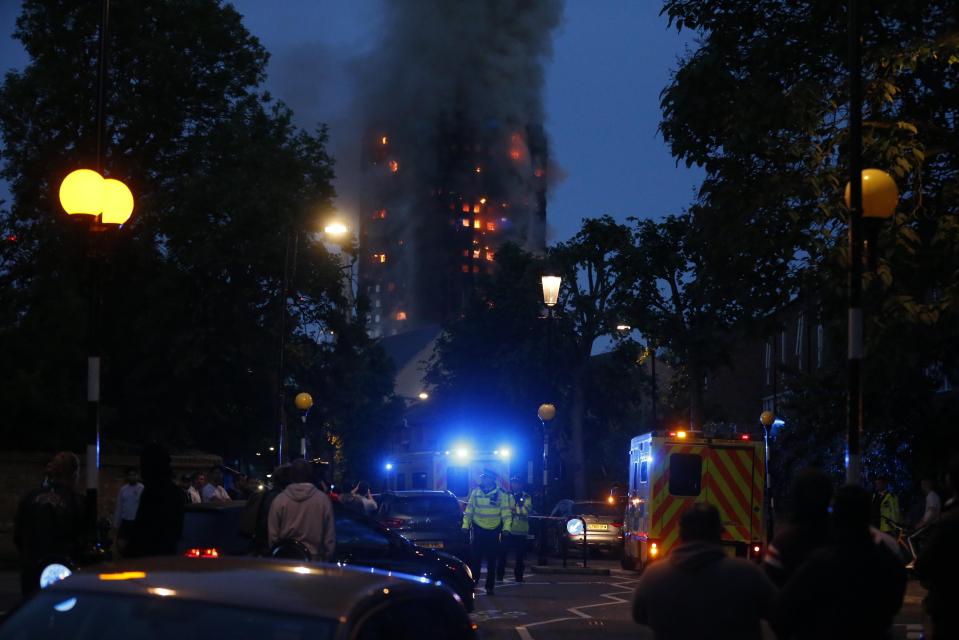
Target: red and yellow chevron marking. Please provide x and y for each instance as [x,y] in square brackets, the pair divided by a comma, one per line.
[733,481]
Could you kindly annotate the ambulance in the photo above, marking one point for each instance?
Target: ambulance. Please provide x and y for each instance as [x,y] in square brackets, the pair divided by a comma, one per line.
[669,471]
[457,470]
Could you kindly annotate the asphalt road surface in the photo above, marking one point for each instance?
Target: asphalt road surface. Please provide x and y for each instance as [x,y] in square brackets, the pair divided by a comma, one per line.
[563,606]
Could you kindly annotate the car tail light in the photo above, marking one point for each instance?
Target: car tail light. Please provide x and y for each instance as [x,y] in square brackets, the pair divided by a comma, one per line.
[616,524]
[394,523]
[202,552]
[745,436]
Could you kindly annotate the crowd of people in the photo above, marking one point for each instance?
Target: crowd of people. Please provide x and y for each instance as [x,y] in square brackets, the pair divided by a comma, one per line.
[832,571]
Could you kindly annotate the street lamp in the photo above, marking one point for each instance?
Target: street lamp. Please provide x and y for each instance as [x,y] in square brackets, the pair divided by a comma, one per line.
[545,413]
[551,290]
[304,402]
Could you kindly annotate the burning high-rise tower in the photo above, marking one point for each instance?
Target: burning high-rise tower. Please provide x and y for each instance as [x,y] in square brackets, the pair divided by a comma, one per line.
[455,158]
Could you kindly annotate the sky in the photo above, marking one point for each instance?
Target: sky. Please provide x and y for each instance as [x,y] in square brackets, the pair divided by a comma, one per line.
[611,59]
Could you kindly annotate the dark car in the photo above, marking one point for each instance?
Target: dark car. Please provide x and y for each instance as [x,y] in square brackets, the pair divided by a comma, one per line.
[360,541]
[240,599]
[430,519]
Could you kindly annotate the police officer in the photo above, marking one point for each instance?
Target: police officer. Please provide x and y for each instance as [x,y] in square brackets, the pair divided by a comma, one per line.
[520,505]
[487,514]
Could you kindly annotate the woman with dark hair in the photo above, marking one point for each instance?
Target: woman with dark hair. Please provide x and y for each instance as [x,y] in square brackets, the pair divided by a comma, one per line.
[159,522]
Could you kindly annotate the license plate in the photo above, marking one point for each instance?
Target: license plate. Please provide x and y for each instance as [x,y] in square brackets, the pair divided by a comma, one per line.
[431,545]
[598,527]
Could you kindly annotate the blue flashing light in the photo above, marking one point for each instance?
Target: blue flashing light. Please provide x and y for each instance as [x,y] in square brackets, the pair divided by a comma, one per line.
[389,466]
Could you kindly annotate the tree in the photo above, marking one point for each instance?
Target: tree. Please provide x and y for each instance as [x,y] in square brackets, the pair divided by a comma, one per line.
[194,282]
[761,104]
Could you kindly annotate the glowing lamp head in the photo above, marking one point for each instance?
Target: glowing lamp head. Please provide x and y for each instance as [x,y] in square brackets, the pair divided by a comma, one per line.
[880,195]
[767,418]
[81,192]
[610,499]
[502,453]
[654,550]
[303,401]
[681,435]
[336,229]
[462,453]
[117,202]
[551,286]
[546,412]
[422,395]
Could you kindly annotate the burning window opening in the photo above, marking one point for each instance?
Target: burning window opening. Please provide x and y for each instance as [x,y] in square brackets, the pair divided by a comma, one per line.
[465,268]
[491,226]
[384,140]
[479,169]
[401,315]
[379,214]
[466,207]
[476,253]
[477,224]
[466,253]
[466,222]
[476,208]
[379,257]
[482,200]
[539,173]
[394,166]
[489,256]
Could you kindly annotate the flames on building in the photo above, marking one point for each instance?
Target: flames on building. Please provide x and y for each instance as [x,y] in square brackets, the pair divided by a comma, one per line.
[455,157]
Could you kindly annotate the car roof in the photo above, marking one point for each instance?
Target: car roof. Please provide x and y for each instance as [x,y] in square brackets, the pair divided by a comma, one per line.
[309,589]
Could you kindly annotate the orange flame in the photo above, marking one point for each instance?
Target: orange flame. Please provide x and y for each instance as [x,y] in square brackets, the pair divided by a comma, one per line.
[394,166]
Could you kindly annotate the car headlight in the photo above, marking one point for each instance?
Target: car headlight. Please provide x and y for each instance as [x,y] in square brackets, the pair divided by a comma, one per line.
[574,527]
[53,573]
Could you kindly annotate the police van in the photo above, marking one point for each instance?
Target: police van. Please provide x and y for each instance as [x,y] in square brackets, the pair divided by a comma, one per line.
[669,471]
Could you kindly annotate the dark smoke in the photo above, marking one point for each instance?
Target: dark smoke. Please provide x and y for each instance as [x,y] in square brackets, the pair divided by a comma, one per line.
[453,85]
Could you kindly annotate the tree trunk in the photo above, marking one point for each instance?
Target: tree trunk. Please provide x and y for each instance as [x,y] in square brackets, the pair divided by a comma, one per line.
[576,416]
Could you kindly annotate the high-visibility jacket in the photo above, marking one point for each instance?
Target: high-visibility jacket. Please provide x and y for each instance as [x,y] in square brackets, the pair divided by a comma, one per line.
[888,513]
[520,506]
[487,509]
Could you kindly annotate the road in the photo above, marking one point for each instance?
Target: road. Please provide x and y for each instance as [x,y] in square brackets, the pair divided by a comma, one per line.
[563,606]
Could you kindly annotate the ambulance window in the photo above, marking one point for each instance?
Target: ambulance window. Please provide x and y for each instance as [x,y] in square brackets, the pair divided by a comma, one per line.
[685,474]
[644,471]
[419,480]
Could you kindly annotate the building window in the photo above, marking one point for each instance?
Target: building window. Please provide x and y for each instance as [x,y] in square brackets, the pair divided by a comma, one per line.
[466,222]
[466,207]
[401,315]
[476,253]
[491,226]
[800,332]
[465,268]
[476,269]
[489,256]
[377,305]
[768,362]
[477,224]
[391,286]
[819,344]
[476,208]
[377,288]
[379,214]
[379,257]
[376,318]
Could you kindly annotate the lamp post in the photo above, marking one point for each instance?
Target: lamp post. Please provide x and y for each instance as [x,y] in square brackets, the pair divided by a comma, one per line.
[303,402]
[871,194]
[340,240]
[546,413]
[105,203]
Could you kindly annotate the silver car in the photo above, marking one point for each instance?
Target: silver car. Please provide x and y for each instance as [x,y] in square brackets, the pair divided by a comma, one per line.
[604,524]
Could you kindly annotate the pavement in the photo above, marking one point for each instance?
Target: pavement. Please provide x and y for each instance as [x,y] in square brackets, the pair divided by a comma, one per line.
[557,606]
[561,606]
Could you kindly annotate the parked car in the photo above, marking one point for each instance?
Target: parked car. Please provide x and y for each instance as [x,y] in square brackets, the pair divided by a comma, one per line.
[238,598]
[604,525]
[360,541]
[430,519]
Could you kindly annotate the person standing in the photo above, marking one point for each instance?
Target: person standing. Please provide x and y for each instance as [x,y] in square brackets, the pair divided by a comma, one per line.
[49,521]
[852,588]
[362,491]
[885,507]
[938,568]
[190,494]
[520,504]
[933,504]
[699,591]
[487,515]
[303,513]
[159,521]
[128,501]
[808,527]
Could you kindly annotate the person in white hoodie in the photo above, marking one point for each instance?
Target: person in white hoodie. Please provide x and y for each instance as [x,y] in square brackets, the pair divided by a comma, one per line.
[303,513]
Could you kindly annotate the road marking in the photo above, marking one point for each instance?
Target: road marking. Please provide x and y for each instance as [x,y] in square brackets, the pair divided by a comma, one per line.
[612,597]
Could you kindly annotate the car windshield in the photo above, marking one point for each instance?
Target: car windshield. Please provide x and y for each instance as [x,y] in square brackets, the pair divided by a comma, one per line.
[426,506]
[83,616]
[597,509]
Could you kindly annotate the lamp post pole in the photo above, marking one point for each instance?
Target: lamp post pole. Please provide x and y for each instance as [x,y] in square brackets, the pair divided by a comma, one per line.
[854,414]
